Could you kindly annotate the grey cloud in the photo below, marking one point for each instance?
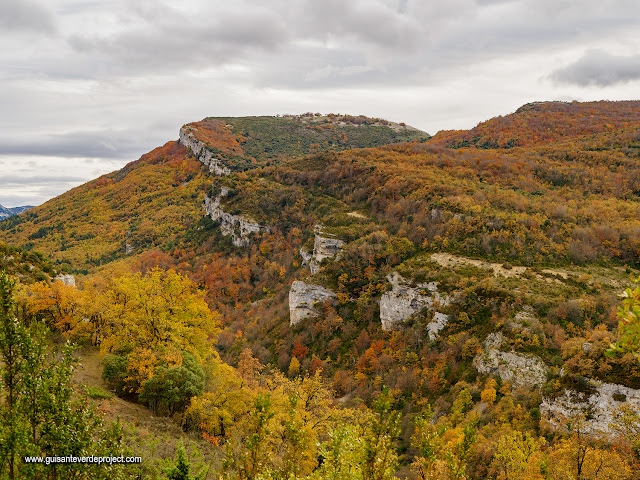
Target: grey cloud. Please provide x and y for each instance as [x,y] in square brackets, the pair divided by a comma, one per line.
[80,144]
[493,2]
[25,15]
[34,190]
[599,68]
[35,180]
[370,42]
[371,22]
[170,40]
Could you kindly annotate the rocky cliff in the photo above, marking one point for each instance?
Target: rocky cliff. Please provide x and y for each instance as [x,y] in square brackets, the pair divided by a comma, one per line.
[403,301]
[517,368]
[325,245]
[235,225]
[200,150]
[302,300]
[597,409]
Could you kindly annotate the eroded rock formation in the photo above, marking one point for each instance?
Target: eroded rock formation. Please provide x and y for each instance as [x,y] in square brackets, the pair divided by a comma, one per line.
[302,300]
[517,368]
[325,245]
[403,301]
[597,409]
[440,320]
[200,150]
[66,279]
[235,225]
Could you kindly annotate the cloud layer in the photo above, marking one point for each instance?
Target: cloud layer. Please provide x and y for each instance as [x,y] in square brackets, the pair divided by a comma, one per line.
[599,68]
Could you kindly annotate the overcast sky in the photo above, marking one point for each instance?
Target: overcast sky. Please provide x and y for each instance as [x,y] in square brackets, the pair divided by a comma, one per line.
[89,85]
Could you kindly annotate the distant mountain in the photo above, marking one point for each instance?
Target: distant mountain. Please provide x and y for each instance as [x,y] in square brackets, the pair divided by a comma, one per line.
[6,212]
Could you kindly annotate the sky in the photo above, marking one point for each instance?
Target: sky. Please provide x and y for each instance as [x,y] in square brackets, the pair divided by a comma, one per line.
[87,86]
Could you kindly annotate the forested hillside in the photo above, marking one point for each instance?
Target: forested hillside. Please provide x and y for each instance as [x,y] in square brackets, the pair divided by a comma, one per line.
[544,122]
[332,294]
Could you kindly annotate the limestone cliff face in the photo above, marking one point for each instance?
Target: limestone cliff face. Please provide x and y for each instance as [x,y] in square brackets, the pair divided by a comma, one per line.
[66,279]
[302,300]
[325,245]
[440,320]
[235,225]
[403,301]
[517,368]
[199,149]
[599,407]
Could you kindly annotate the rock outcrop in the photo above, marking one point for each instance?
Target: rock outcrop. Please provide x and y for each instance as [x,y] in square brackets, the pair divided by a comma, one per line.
[598,408]
[440,320]
[235,225]
[200,150]
[325,245]
[517,368]
[302,300]
[403,301]
[66,279]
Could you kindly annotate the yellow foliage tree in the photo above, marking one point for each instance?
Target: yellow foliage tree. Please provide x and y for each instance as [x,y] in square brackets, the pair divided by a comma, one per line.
[56,303]
[488,395]
[161,310]
[518,456]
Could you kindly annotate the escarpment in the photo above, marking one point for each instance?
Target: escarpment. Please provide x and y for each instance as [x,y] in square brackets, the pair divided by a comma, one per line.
[202,153]
[237,226]
[518,368]
[598,406]
[325,245]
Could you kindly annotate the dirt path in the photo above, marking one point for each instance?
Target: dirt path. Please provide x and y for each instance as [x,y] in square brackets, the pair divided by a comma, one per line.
[448,260]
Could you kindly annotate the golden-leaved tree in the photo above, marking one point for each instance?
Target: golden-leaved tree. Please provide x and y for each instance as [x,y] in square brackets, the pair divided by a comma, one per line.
[156,324]
[156,311]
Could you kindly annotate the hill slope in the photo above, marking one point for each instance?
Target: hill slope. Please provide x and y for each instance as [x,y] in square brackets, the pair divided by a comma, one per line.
[543,122]
[151,200]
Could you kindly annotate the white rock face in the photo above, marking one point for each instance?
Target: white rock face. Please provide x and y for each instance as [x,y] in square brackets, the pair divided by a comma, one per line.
[235,225]
[199,149]
[302,300]
[600,406]
[440,320]
[517,368]
[403,301]
[325,245]
[306,256]
[66,279]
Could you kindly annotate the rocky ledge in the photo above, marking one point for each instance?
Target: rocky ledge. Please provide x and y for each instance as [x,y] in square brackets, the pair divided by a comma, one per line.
[66,279]
[235,225]
[597,410]
[517,368]
[202,153]
[325,245]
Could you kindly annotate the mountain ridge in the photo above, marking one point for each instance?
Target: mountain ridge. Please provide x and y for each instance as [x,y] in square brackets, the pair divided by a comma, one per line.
[6,212]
